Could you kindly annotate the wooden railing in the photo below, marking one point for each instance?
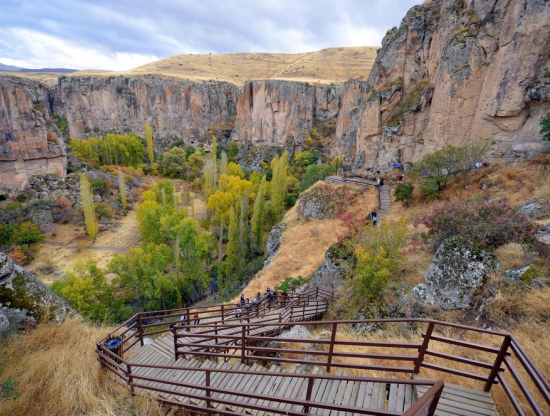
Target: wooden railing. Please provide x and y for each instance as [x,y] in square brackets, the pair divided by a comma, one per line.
[497,360]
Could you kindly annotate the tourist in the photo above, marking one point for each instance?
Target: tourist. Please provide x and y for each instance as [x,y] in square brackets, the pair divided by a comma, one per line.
[242,298]
[183,320]
[196,319]
[381,182]
[257,298]
[374,217]
[238,310]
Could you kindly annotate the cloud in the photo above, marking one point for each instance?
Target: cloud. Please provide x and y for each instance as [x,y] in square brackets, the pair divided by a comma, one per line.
[122,34]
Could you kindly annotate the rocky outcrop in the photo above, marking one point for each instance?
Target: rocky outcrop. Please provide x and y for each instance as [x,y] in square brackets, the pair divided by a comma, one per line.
[454,71]
[175,109]
[24,298]
[323,200]
[542,241]
[331,273]
[274,239]
[282,113]
[456,272]
[30,142]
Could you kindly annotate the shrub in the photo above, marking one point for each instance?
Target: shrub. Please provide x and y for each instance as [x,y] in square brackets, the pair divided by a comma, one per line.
[27,233]
[313,174]
[429,189]
[545,127]
[290,284]
[103,211]
[404,193]
[488,223]
[19,258]
[99,186]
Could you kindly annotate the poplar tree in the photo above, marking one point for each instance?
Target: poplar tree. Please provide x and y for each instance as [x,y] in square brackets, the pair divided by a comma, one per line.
[223,164]
[122,189]
[149,141]
[232,259]
[243,232]
[88,207]
[278,185]
[257,214]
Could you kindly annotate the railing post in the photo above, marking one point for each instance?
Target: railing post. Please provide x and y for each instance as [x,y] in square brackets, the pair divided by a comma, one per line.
[216,331]
[130,378]
[140,331]
[188,316]
[257,310]
[310,383]
[423,348]
[175,332]
[208,404]
[243,341]
[498,362]
[222,315]
[331,347]
[291,313]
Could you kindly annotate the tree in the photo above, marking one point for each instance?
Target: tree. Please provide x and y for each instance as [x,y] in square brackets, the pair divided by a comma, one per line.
[313,174]
[223,164]
[88,208]
[447,162]
[278,185]
[122,189]
[232,151]
[257,214]
[404,193]
[336,164]
[149,142]
[232,260]
[304,159]
[486,222]
[545,127]
[173,163]
[290,284]
[244,233]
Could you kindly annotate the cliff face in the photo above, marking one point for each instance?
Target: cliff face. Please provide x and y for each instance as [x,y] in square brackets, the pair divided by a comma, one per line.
[30,142]
[454,71]
[175,109]
[281,113]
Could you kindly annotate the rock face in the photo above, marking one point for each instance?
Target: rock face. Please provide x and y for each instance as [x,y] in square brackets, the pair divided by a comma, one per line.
[542,241]
[323,200]
[281,113]
[175,109]
[454,274]
[455,71]
[24,297]
[274,238]
[331,273]
[30,142]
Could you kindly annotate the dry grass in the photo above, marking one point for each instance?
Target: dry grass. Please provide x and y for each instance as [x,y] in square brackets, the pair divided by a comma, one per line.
[56,373]
[320,67]
[304,243]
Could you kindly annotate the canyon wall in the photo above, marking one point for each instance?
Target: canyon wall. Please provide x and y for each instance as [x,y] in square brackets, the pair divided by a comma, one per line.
[175,109]
[30,142]
[455,71]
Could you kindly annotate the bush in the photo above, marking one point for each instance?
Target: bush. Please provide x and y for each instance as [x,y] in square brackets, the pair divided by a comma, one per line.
[429,189]
[545,127]
[488,223]
[104,211]
[313,174]
[27,233]
[290,284]
[404,193]
[99,186]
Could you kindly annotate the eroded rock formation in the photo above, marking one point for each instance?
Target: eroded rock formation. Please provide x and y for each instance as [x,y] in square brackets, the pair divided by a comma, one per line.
[454,71]
[175,109]
[30,142]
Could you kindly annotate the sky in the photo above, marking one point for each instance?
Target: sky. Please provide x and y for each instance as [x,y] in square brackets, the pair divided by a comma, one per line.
[121,34]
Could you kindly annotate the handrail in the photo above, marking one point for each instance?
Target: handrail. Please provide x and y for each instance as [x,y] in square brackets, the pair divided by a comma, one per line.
[230,337]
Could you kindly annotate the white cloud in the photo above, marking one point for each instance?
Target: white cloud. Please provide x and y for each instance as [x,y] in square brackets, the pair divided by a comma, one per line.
[50,51]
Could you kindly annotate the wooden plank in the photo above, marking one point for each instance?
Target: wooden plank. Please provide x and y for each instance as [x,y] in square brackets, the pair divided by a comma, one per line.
[346,397]
[381,396]
[339,395]
[285,386]
[249,386]
[222,382]
[460,408]
[292,390]
[460,395]
[260,388]
[354,396]
[409,399]
[272,386]
[332,392]
[392,397]
[400,401]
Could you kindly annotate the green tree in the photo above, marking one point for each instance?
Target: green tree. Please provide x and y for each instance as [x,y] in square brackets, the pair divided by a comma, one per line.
[232,151]
[88,208]
[223,164]
[173,164]
[545,127]
[244,231]
[313,174]
[278,185]
[404,193]
[25,233]
[258,211]
[304,159]
[149,142]
[232,259]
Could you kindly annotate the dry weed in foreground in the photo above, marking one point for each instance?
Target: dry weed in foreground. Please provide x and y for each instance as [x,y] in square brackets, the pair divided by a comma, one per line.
[56,373]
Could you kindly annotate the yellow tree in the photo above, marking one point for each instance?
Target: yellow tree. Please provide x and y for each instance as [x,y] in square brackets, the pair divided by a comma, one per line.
[88,207]
[278,185]
[257,214]
[232,260]
[122,189]
[149,141]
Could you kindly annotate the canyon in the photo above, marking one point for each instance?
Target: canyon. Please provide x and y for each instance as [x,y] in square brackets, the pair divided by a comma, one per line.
[453,72]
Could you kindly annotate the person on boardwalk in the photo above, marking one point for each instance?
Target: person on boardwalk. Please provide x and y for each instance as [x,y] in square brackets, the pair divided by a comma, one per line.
[242,299]
[238,310]
[183,320]
[196,321]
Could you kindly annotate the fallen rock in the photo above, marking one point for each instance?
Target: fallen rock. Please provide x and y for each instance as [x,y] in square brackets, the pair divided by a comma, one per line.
[457,271]
[542,241]
[26,298]
[515,276]
[298,331]
[274,239]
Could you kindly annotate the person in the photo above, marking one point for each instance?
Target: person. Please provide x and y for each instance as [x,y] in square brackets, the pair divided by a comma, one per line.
[183,320]
[196,321]
[283,299]
[242,298]
[257,298]
[374,217]
[381,182]
[369,217]
[238,310]
[211,290]
[400,177]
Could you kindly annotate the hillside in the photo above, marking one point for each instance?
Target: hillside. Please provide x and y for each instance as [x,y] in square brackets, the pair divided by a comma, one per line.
[323,67]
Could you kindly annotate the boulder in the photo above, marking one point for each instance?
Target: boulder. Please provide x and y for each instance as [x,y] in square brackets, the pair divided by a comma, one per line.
[456,272]
[274,239]
[331,273]
[23,295]
[515,276]
[4,321]
[537,209]
[423,293]
[298,331]
[542,241]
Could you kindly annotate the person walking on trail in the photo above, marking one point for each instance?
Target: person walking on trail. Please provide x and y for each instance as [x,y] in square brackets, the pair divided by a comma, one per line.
[242,299]
[196,321]
[381,182]
[183,320]
[374,217]
[238,311]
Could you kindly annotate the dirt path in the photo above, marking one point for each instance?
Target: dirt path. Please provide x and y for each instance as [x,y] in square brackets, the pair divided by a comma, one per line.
[63,249]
